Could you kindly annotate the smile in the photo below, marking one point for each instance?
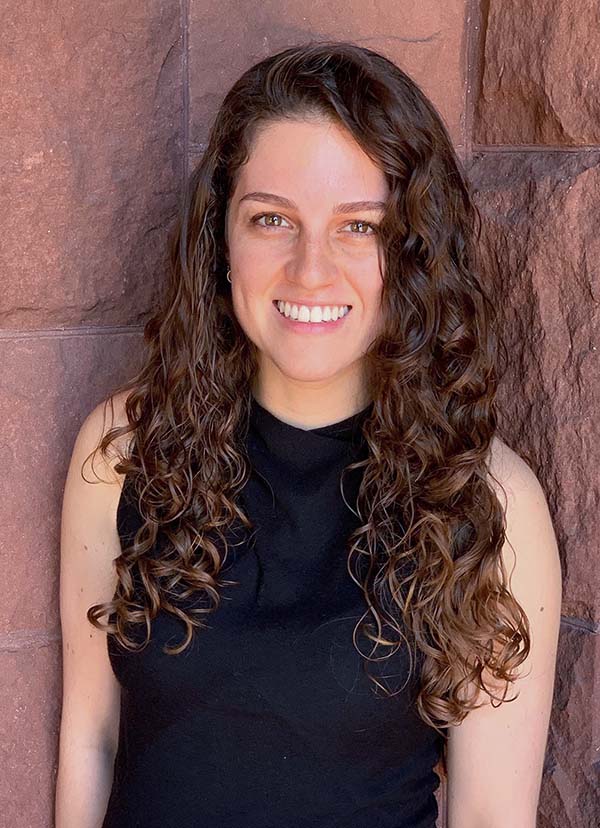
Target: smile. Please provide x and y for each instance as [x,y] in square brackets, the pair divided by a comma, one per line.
[315,313]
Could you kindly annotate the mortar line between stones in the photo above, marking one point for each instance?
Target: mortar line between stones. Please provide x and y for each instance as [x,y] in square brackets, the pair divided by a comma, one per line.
[472,26]
[524,148]
[185,90]
[581,624]
[16,640]
[62,333]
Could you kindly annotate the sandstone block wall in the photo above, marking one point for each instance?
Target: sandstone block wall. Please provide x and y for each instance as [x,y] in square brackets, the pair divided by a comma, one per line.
[105,108]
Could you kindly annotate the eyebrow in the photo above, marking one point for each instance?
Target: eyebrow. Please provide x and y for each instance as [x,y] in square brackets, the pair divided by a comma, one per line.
[344,207]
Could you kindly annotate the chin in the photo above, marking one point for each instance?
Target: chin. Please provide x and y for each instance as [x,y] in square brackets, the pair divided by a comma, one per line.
[311,372]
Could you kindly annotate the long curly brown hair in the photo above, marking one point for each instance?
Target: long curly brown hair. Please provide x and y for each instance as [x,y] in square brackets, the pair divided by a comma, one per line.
[427,554]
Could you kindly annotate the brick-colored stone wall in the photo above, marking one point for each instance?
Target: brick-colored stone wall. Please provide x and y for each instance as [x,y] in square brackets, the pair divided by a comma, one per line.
[534,159]
[106,107]
[92,162]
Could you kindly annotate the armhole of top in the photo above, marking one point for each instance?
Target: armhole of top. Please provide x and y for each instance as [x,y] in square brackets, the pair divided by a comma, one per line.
[127,517]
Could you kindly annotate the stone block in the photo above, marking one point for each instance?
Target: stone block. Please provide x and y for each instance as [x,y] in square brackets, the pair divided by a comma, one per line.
[49,385]
[92,159]
[424,38]
[570,794]
[539,73]
[541,257]
[31,692]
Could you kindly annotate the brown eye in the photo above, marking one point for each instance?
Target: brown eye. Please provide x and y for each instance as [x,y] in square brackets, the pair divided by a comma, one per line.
[364,224]
[256,219]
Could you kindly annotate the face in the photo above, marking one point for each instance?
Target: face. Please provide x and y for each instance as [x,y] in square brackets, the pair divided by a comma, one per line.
[302,247]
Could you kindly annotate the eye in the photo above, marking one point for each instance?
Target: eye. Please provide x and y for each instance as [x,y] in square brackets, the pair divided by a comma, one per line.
[361,223]
[358,222]
[256,219]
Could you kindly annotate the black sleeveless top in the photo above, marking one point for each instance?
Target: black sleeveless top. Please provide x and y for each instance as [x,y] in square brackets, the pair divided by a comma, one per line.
[268,718]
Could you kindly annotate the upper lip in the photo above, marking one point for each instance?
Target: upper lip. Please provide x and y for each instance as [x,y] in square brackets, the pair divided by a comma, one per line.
[313,304]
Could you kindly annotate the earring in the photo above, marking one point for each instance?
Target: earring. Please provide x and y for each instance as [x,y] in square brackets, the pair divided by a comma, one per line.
[228,276]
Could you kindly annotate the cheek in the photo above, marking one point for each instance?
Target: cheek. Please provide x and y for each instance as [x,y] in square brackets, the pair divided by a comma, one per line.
[371,293]
[249,302]
[374,310]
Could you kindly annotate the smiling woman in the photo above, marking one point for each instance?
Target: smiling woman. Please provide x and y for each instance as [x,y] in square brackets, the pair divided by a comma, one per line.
[316,418]
[312,260]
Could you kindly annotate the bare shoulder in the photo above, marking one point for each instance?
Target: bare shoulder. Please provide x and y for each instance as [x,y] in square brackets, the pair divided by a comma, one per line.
[528,520]
[108,414]
[92,490]
[93,486]
[510,470]
[513,479]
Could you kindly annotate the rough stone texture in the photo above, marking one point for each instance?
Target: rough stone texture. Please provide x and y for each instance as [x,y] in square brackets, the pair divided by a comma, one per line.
[31,690]
[424,37]
[91,158]
[541,250]
[540,73]
[538,83]
[49,385]
[570,795]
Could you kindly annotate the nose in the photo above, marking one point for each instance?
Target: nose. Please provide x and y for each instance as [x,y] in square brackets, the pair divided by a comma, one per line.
[313,267]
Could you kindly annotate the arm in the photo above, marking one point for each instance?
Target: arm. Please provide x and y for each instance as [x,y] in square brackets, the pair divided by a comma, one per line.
[496,755]
[91,694]
[83,787]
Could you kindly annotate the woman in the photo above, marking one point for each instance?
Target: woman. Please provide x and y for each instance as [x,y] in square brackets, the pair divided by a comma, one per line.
[311,584]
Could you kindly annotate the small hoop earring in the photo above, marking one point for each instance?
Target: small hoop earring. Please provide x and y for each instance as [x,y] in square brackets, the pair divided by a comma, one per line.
[228,276]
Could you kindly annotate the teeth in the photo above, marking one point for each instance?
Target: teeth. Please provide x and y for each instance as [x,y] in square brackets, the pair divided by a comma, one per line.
[318,313]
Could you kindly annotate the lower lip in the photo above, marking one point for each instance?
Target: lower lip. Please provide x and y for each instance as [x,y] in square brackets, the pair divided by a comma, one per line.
[311,327]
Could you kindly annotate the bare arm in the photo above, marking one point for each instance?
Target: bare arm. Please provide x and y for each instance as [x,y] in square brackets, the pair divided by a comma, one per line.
[83,787]
[496,755]
[91,693]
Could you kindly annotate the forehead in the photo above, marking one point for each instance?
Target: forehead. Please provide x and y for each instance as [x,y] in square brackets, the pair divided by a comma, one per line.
[310,159]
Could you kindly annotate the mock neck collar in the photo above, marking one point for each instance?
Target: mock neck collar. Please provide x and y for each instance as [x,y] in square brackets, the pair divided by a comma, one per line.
[305,448]
[342,429]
